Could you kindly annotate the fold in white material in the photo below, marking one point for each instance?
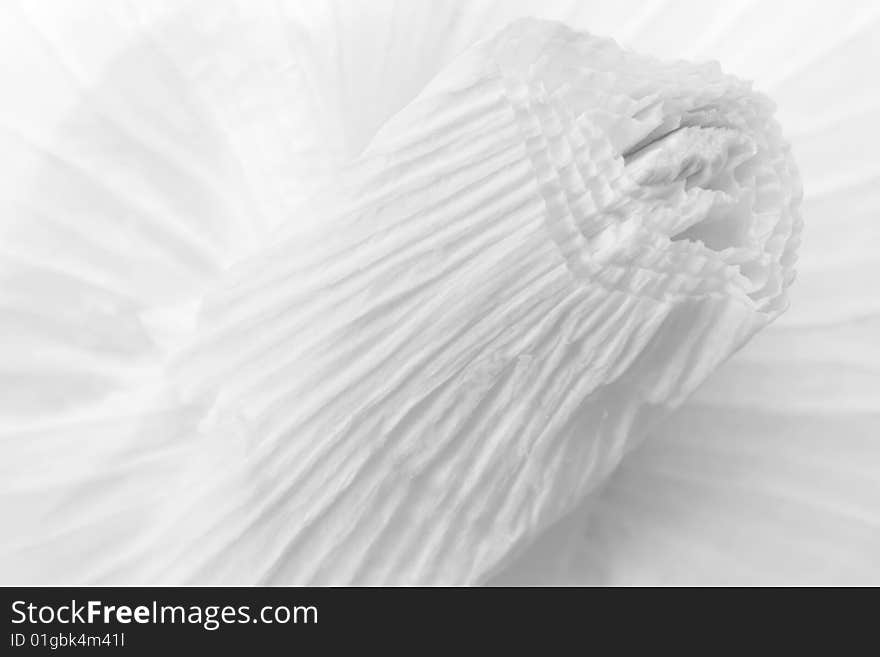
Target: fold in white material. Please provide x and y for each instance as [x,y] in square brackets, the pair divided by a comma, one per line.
[550,247]
[82,423]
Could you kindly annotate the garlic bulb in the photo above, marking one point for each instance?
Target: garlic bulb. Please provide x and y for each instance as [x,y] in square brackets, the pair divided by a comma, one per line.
[551,246]
[567,236]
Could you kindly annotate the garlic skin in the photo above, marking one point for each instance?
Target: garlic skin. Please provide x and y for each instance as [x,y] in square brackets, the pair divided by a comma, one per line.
[767,474]
[534,261]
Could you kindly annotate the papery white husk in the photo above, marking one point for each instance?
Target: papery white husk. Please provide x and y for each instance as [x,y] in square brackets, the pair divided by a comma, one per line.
[149,122]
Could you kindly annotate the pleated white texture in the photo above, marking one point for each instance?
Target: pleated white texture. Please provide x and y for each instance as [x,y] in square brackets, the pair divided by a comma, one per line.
[815,70]
[771,472]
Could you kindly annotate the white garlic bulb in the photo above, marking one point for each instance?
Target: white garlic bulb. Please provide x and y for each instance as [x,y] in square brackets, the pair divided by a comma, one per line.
[281,315]
[545,251]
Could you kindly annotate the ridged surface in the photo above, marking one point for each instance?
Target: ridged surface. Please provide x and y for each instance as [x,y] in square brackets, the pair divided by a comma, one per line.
[489,316]
[770,473]
[82,471]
